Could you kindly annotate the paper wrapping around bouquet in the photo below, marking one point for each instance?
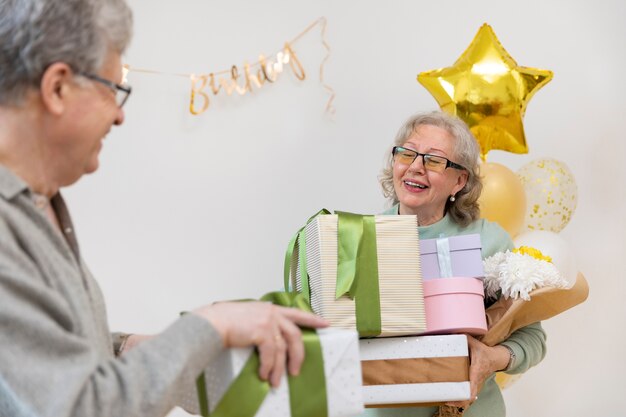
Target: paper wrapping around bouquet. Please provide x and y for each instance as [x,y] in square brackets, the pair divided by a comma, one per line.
[342,371]
[419,370]
[399,275]
[507,315]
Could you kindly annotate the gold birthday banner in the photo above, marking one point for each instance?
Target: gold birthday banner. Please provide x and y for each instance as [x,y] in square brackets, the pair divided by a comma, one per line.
[253,76]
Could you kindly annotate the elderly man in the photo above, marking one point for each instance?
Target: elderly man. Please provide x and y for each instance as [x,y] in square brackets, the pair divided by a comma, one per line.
[60,94]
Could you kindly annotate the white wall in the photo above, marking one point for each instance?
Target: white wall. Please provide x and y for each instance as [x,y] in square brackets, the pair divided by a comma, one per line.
[173,219]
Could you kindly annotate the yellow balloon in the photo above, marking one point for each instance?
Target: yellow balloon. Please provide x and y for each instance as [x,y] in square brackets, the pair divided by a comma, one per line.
[503,199]
[488,90]
[505,380]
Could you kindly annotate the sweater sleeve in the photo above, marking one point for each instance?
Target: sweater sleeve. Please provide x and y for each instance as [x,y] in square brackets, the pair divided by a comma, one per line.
[529,346]
[58,372]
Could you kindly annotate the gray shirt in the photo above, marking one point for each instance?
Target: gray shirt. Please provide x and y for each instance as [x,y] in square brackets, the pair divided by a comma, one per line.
[56,347]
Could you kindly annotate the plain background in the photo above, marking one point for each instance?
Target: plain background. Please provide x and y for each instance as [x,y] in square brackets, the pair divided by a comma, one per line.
[187,210]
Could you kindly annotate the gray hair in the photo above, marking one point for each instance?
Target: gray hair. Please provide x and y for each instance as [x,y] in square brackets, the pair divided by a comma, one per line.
[37,33]
[465,208]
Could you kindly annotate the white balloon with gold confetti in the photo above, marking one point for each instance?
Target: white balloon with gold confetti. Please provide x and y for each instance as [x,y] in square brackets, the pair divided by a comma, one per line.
[551,194]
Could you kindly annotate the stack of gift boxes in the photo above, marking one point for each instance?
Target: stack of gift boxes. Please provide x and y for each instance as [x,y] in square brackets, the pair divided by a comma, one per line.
[399,309]
[430,294]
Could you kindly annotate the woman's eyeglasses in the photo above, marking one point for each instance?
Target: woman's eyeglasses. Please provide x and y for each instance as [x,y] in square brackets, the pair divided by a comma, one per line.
[434,163]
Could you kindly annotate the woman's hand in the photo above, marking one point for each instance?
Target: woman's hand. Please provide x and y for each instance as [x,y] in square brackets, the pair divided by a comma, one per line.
[484,361]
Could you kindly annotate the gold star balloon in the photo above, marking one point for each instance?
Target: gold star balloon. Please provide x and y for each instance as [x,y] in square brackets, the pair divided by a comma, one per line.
[488,90]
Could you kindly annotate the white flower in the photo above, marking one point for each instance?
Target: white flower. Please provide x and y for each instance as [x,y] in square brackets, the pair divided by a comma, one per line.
[518,274]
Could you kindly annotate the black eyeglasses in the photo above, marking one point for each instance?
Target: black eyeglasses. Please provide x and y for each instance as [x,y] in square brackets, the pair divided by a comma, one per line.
[431,162]
[121,91]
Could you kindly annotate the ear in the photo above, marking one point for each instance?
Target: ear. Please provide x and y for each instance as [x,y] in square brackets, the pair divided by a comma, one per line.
[461,181]
[55,87]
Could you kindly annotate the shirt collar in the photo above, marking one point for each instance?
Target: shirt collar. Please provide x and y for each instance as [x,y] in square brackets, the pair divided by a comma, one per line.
[10,184]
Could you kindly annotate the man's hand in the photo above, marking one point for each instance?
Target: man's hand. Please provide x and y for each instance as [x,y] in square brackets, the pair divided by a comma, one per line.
[273,329]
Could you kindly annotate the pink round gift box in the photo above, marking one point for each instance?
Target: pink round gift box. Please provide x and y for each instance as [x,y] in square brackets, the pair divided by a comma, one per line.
[455,305]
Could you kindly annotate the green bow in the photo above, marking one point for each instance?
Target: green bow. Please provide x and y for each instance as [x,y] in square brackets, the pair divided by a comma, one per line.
[357,269]
[307,391]
[300,239]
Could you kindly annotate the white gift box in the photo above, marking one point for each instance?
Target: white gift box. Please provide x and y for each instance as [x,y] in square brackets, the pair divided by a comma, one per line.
[342,369]
[413,370]
[399,274]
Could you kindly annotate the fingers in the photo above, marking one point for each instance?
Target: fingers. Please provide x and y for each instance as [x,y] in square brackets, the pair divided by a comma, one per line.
[293,335]
[273,329]
[283,346]
[280,358]
[303,318]
[295,347]
[267,357]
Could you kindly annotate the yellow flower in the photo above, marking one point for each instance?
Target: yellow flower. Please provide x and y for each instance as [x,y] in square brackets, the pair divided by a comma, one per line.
[535,253]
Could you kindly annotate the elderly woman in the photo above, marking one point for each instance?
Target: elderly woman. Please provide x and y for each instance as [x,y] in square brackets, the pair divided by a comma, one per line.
[432,172]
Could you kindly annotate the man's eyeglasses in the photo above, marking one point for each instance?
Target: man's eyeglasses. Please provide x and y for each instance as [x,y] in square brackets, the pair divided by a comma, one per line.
[121,91]
[434,163]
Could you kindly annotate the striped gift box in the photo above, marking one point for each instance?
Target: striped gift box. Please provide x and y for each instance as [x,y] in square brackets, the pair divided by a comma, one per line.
[400,282]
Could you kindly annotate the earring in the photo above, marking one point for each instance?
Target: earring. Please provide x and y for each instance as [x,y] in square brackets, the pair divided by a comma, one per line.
[452,198]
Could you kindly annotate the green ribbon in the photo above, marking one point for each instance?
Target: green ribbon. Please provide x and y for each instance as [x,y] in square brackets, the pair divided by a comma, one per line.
[349,239]
[244,396]
[307,391]
[300,239]
[357,269]
[288,299]
[202,395]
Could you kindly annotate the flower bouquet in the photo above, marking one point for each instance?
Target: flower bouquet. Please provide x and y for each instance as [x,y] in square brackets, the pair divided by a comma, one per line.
[532,289]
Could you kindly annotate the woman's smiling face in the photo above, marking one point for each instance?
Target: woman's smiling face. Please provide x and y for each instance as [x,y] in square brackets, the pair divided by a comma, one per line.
[423,192]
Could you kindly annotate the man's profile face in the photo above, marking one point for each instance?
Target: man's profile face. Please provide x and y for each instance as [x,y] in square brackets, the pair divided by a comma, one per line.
[92,111]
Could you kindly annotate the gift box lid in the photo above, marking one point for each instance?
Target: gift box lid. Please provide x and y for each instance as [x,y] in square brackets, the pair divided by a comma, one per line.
[456,243]
[463,258]
[413,347]
[454,285]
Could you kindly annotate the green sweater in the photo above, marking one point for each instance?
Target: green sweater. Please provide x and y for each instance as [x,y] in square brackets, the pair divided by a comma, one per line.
[528,343]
